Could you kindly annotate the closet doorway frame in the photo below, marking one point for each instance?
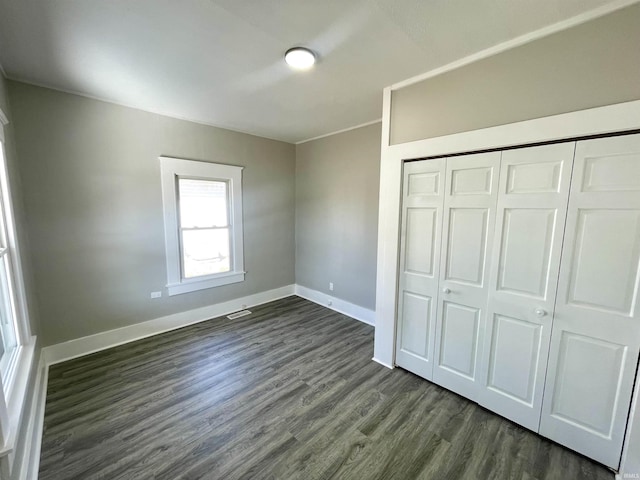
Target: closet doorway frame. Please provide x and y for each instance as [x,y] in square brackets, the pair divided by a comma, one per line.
[601,121]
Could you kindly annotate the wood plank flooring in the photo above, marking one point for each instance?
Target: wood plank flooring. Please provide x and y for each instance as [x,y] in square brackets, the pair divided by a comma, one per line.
[289,392]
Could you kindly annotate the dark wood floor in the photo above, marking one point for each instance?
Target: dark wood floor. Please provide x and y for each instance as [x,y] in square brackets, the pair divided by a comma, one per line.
[289,392]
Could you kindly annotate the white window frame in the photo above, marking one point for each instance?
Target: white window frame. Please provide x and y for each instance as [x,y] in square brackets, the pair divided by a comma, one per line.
[170,170]
[14,383]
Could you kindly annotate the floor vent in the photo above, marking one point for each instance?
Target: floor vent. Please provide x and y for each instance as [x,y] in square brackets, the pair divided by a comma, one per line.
[239,314]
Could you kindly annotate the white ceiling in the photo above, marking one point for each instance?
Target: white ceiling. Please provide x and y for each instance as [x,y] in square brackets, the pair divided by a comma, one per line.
[219,62]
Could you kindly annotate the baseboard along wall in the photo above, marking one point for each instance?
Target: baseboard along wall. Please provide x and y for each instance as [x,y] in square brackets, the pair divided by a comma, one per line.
[79,347]
[337,304]
[61,352]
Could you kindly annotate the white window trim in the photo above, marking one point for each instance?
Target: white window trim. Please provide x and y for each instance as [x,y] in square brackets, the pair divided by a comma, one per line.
[13,389]
[170,169]
[23,330]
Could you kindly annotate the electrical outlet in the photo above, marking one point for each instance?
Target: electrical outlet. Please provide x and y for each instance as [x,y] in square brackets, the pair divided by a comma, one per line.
[331,286]
[156,294]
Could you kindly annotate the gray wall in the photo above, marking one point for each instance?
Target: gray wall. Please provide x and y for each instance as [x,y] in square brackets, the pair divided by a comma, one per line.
[337,180]
[590,65]
[92,196]
[15,186]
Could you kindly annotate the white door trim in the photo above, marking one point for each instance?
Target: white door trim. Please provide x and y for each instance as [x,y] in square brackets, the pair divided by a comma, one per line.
[596,121]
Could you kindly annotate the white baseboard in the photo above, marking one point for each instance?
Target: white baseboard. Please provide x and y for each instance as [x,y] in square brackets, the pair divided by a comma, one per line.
[79,347]
[384,364]
[111,338]
[342,306]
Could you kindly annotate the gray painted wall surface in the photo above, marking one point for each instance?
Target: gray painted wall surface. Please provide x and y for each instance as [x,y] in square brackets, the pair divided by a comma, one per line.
[92,195]
[590,65]
[15,186]
[337,181]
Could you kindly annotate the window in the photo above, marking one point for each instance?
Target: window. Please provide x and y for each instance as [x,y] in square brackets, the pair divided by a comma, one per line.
[14,325]
[17,346]
[7,314]
[202,224]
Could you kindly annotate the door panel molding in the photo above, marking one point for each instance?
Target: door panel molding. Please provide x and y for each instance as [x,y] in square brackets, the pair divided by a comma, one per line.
[596,332]
[471,187]
[420,236]
[523,279]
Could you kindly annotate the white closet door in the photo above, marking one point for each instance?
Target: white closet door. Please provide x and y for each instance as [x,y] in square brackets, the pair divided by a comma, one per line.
[596,331]
[469,217]
[532,205]
[419,264]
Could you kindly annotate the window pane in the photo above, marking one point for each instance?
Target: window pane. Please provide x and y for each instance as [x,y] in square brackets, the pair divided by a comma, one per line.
[205,252]
[7,329]
[203,203]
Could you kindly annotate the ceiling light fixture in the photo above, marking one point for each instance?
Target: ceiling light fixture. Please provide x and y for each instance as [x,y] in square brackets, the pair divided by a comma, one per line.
[300,58]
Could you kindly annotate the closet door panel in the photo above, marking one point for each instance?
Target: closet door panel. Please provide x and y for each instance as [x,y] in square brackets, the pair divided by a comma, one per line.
[416,319]
[596,333]
[532,203]
[527,236]
[459,339]
[467,236]
[468,219]
[420,265]
[513,357]
[595,229]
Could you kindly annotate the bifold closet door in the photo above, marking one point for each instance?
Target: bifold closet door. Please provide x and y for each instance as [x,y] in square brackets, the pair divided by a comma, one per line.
[532,204]
[422,196]
[468,228]
[596,331]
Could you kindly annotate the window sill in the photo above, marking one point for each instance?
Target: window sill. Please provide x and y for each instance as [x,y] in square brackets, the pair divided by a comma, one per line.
[194,285]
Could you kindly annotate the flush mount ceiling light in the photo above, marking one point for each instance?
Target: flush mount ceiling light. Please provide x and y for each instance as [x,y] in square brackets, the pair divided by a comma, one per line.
[300,58]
